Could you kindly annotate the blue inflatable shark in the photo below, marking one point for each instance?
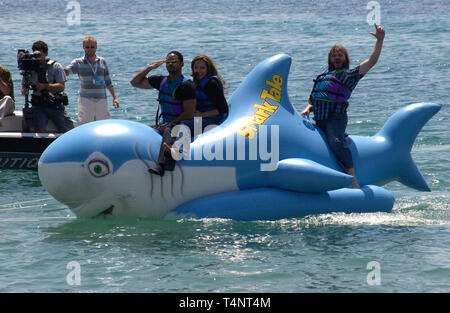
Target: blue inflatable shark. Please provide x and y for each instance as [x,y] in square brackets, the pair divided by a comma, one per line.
[264,162]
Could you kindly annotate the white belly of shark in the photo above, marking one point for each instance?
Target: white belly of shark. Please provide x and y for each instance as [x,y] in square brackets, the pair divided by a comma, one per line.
[132,191]
[102,167]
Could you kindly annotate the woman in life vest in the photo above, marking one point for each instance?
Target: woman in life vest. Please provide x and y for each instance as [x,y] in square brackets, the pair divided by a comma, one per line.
[211,105]
[329,99]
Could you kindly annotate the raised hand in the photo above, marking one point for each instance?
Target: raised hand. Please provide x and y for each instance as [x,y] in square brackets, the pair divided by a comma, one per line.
[157,64]
[379,32]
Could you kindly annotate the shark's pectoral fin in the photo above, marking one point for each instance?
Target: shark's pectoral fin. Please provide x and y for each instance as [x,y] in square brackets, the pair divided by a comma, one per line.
[303,175]
[274,203]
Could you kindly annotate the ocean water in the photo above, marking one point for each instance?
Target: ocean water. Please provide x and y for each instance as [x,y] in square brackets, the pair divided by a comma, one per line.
[407,250]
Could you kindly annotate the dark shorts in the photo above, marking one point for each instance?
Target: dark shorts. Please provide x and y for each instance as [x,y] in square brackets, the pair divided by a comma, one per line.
[334,129]
[205,122]
[57,115]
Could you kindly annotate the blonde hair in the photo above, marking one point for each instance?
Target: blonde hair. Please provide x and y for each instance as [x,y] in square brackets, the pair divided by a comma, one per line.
[89,38]
[336,49]
[211,69]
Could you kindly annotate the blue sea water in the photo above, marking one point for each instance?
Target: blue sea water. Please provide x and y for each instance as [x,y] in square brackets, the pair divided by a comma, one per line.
[39,237]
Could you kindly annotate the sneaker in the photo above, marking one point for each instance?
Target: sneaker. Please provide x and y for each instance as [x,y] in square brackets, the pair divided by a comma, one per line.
[158,170]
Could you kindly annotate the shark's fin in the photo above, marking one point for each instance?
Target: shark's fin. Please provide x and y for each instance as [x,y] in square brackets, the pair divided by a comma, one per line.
[265,87]
[401,130]
[303,175]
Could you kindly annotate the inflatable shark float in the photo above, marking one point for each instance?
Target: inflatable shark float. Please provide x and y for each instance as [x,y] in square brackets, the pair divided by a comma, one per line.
[264,162]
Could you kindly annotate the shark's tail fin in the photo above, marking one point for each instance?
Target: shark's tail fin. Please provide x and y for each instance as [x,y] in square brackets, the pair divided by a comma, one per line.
[401,130]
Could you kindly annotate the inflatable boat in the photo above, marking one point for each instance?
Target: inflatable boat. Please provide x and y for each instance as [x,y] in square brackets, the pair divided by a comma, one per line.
[265,161]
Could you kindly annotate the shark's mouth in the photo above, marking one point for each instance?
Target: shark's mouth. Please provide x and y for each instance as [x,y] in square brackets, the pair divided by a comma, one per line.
[106,212]
[91,210]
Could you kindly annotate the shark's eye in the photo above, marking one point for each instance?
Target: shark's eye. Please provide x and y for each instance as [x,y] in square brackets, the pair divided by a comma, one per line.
[98,168]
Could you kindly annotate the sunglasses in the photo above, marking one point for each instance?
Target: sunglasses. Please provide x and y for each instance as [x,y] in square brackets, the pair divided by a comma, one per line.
[90,47]
[171,61]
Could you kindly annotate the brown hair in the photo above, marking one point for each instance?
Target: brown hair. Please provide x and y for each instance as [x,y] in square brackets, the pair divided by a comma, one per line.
[89,38]
[210,66]
[342,50]
[40,46]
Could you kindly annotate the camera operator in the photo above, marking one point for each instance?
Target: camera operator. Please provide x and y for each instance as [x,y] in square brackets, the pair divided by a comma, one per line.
[47,101]
[7,105]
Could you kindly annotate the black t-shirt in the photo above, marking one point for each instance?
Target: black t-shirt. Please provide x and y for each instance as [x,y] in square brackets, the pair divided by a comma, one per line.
[214,92]
[185,91]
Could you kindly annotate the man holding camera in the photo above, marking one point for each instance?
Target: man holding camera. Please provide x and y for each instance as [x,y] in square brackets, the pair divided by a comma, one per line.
[47,100]
[6,93]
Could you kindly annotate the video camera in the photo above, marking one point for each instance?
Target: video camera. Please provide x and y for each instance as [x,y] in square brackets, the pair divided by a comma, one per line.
[28,62]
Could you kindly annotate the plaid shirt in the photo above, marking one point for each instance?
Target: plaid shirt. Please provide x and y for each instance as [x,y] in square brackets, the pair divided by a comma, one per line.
[322,109]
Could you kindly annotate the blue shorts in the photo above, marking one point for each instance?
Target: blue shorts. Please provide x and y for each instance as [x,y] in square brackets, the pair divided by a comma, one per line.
[57,115]
[334,129]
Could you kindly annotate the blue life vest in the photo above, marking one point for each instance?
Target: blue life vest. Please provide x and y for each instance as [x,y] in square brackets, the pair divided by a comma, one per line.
[204,104]
[328,88]
[171,108]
